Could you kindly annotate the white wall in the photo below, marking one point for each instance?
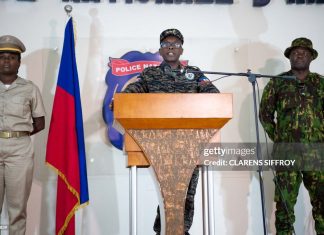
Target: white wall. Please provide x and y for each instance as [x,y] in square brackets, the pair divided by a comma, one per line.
[229,38]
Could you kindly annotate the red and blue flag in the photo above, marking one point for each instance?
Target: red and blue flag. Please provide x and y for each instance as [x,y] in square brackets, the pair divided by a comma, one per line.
[65,146]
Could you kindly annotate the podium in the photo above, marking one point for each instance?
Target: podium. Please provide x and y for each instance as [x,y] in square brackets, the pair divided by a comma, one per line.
[167,132]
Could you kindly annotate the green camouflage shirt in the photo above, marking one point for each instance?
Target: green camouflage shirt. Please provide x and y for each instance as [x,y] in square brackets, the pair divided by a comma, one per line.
[158,80]
[299,109]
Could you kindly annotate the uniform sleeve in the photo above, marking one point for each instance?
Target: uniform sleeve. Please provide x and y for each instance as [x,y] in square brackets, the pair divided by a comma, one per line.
[37,106]
[267,109]
[204,84]
[139,86]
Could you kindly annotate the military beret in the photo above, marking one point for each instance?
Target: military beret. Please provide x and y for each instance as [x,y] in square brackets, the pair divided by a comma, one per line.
[301,42]
[11,44]
[171,32]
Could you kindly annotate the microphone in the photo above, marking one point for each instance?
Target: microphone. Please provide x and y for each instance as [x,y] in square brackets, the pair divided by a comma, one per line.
[188,73]
[168,70]
[225,74]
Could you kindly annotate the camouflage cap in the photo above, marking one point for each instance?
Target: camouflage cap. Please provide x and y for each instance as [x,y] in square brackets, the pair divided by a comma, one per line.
[171,32]
[301,42]
[11,44]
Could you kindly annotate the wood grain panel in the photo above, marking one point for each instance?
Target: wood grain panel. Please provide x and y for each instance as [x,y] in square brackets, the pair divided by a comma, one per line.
[173,154]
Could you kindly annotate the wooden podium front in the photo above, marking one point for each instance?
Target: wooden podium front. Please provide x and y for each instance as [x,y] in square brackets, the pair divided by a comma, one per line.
[167,132]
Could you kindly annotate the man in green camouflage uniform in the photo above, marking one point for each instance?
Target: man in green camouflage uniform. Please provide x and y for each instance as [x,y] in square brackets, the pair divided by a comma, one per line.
[171,77]
[299,106]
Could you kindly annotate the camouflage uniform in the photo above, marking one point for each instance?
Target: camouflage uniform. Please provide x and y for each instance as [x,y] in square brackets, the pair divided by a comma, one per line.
[299,107]
[159,80]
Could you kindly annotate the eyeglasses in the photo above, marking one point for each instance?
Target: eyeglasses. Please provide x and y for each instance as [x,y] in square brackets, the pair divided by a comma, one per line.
[171,44]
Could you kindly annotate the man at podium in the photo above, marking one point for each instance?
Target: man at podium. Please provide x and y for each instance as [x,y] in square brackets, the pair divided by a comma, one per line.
[173,77]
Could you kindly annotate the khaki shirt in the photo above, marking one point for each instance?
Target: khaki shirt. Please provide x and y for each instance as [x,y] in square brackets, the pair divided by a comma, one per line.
[20,103]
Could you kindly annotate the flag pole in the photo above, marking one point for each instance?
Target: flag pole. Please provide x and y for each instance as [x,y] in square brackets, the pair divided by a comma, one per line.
[68,9]
[65,151]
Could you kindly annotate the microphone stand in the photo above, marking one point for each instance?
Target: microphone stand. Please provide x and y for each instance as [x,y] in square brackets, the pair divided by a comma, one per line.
[252,79]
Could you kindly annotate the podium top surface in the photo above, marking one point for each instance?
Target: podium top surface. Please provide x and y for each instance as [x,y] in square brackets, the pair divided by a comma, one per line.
[173,111]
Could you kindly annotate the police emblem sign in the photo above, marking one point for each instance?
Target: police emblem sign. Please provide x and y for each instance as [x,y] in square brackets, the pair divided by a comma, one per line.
[121,71]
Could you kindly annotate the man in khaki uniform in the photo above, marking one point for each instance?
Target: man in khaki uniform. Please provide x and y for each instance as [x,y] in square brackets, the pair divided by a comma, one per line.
[21,115]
